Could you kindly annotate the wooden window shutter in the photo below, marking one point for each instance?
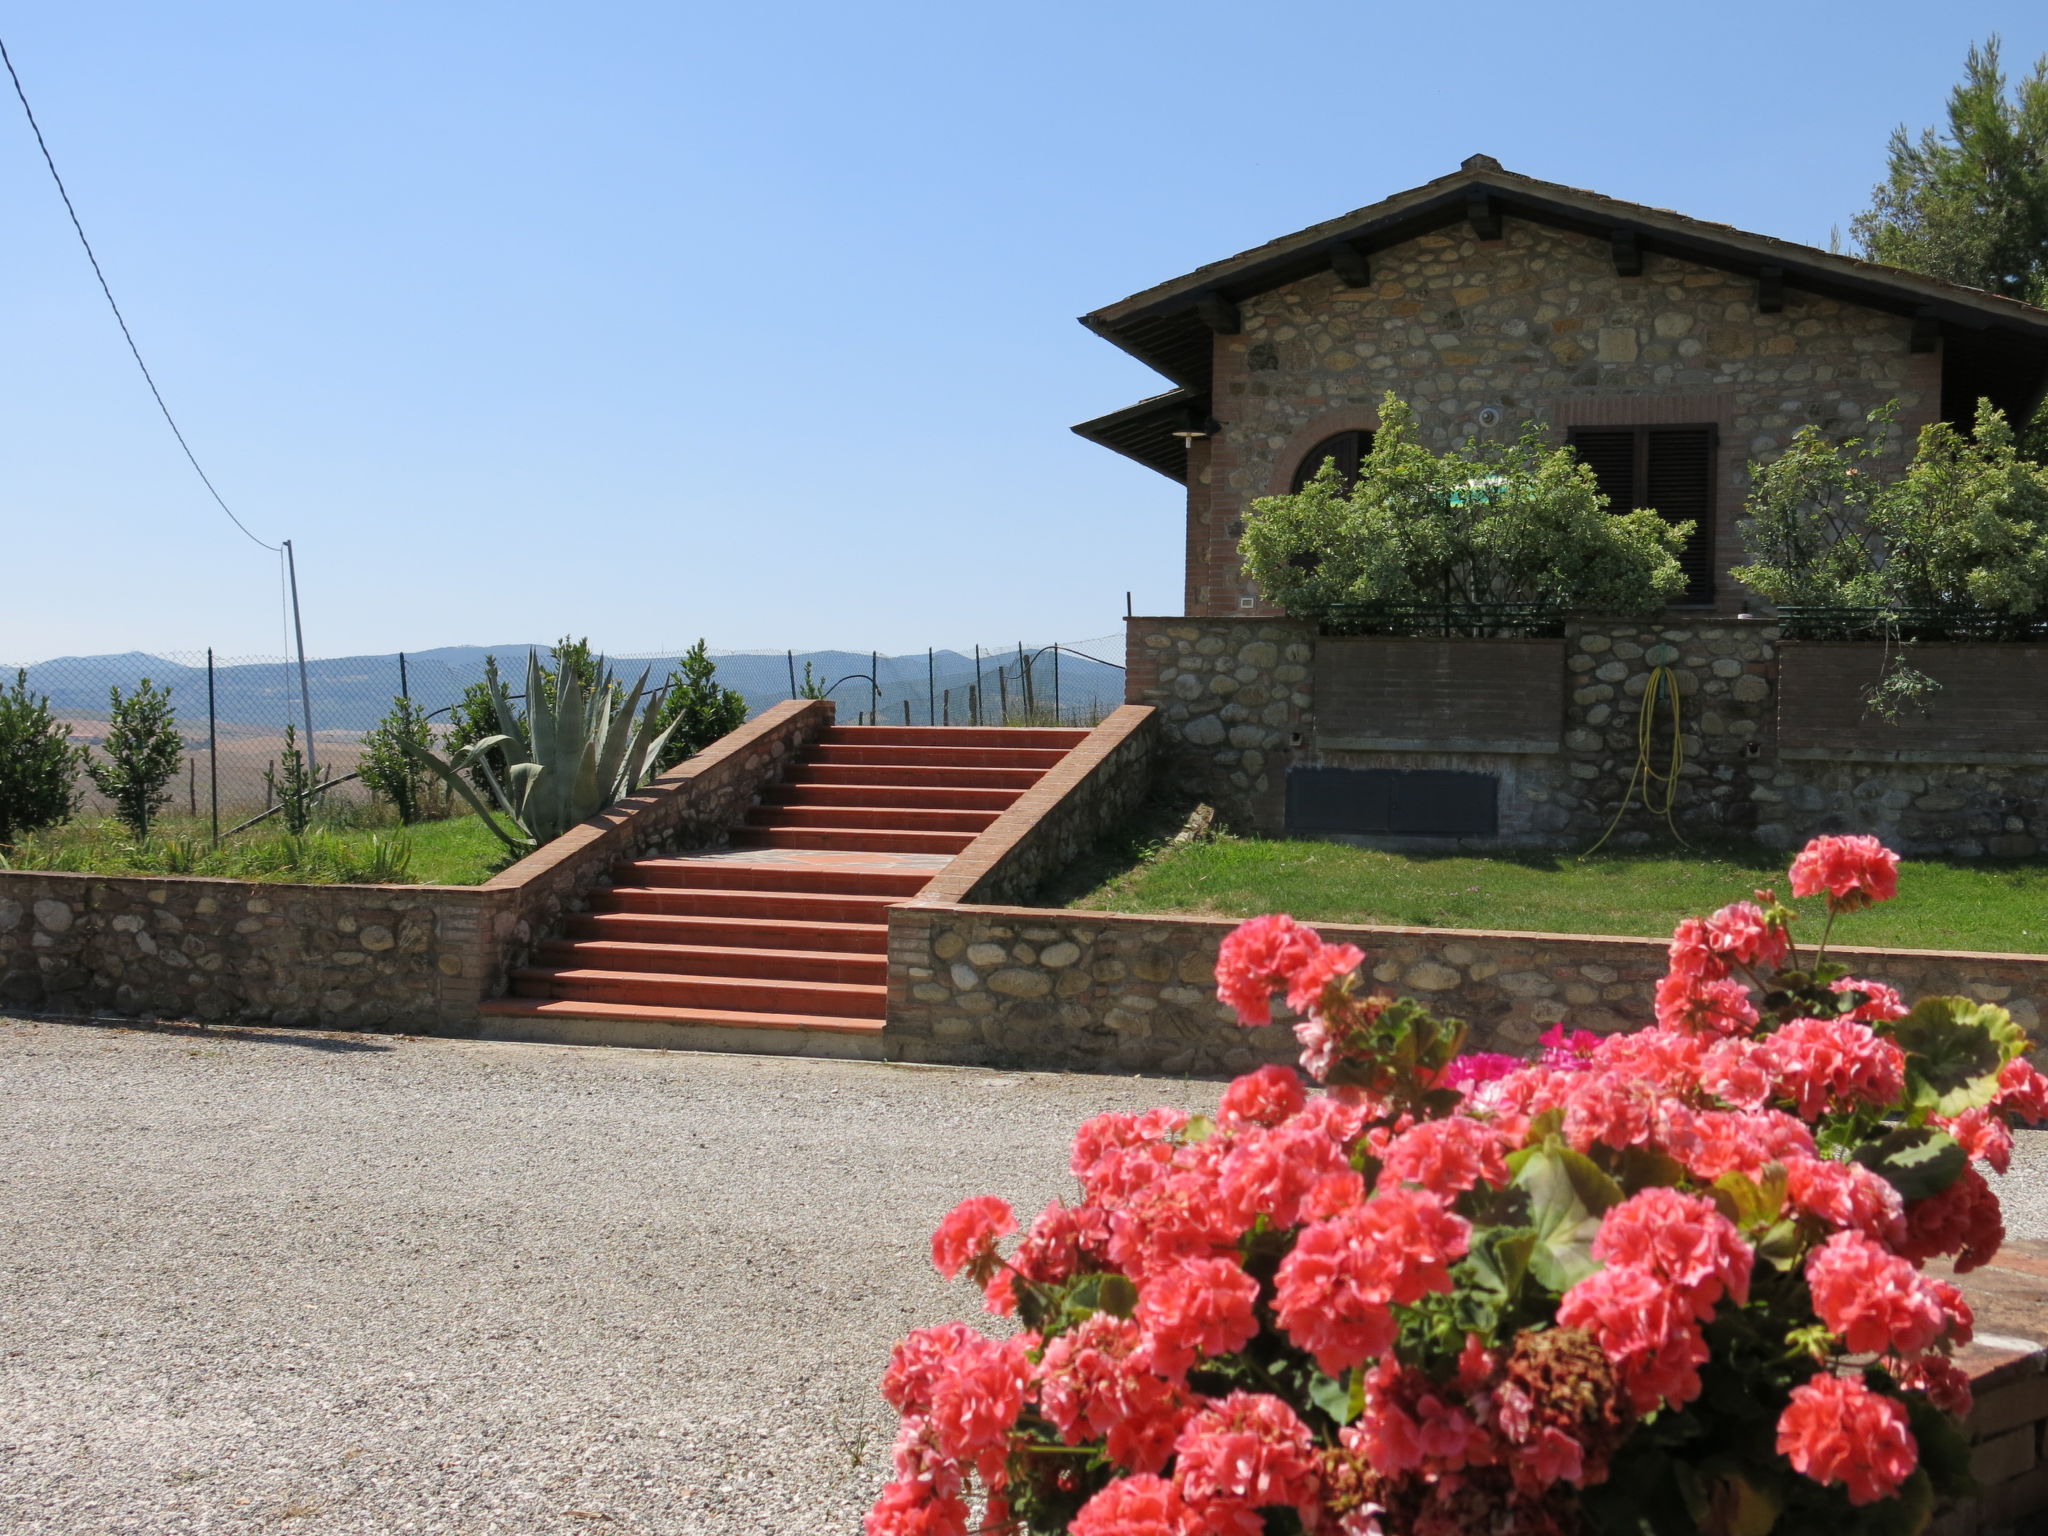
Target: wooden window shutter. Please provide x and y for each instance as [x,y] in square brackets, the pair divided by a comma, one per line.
[1347,448]
[1668,468]
[1612,453]
[1678,480]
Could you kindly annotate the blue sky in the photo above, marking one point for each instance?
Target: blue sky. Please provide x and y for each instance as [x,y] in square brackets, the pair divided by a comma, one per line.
[750,322]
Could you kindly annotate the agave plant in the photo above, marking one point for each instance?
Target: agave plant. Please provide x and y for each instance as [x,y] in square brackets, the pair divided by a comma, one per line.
[568,758]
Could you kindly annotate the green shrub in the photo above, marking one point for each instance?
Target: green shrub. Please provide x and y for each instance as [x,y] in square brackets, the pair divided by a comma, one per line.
[695,710]
[391,774]
[1517,522]
[142,751]
[38,764]
[1963,528]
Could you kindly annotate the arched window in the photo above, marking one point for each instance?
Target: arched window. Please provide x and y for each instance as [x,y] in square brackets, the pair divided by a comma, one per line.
[1347,448]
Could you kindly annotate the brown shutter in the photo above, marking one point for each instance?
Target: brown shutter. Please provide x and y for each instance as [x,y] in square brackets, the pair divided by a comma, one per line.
[1612,453]
[1668,468]
[1678,480]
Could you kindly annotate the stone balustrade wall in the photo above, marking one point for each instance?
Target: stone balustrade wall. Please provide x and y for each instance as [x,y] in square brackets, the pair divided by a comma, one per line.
[1096,991]
[414,957]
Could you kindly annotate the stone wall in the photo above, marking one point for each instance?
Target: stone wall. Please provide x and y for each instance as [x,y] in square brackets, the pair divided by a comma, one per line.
[1234,701]
[1085,796]
[354,956]
[1098,991]
[416,957]
[1537,324]
[1733,780]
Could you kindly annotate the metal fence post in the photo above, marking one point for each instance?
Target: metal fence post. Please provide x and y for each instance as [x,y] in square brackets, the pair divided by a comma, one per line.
[931,686]
[404,691]
[792,673]
[212,748]
[1055,682]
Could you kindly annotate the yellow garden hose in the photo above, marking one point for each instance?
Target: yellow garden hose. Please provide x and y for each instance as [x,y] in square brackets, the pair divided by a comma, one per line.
[1656,786]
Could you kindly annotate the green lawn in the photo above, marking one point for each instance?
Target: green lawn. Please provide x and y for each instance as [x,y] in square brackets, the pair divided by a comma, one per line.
[1961,904]
[458,851]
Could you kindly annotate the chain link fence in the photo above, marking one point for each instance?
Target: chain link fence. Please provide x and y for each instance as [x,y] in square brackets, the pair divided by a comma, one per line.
[232,710]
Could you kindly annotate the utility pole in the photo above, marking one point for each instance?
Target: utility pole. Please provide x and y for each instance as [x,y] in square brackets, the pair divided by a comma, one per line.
[305,693]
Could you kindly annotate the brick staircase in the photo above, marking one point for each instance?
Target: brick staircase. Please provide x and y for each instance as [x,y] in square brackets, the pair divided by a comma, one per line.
[787,929]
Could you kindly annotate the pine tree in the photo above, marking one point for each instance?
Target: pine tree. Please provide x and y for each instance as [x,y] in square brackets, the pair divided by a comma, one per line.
[142,751]
[37,763]
[700,709]
[1971,205]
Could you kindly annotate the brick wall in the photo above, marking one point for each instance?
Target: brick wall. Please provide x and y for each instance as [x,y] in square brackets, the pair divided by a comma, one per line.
[1991,705]
[1537,324]
[356,956]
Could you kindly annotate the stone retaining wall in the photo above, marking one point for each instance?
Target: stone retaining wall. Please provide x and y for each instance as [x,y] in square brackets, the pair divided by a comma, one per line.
[356,956]
[1081,799]
[1097,991]
[1239,702]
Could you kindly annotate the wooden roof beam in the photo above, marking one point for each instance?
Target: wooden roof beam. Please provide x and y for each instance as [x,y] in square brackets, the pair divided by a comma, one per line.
[1770,290]
[1628,253]
[1482,209]
[1352,263]
[1219,314]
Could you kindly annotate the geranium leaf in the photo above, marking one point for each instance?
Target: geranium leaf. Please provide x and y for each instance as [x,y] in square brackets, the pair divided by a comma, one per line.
[1643,1167]
[1917,1162]
[1954,1048]
[1780,1247]
[1568,1194]
[1332,1396]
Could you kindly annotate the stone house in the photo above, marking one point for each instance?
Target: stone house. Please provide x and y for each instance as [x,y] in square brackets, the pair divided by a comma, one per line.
[1669,350]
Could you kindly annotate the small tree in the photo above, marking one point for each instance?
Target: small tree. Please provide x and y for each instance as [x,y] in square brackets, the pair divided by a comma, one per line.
[38,764]
[696,709]
[142,751]
[390,771]
[1964,529]
[1967,525]
[1518,522]
[1806,523]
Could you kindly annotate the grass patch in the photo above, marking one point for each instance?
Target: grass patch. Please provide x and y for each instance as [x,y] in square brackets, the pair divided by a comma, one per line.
[458,851]
[1944,904]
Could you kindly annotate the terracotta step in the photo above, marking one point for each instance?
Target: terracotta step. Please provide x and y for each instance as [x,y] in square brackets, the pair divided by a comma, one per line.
[953,736]
[788,906]
[537,1007]
[726,875]
[851,840]
[744,932]
[742,993]
[890,818]
[714,960]
[936,757]
[913,796]
[933,777]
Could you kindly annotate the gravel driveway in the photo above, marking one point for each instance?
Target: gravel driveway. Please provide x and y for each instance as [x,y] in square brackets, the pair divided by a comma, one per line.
[292,1282]
[279,1281]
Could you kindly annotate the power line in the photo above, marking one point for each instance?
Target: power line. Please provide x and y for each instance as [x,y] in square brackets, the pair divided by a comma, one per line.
[119,318]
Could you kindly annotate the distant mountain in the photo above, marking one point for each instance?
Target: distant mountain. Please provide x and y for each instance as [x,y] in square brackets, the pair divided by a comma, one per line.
[350,693]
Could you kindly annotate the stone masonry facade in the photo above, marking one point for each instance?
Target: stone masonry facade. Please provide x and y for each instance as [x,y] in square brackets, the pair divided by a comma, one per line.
[1094,991]
[1733,779]
[1537,325]
[414,957]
